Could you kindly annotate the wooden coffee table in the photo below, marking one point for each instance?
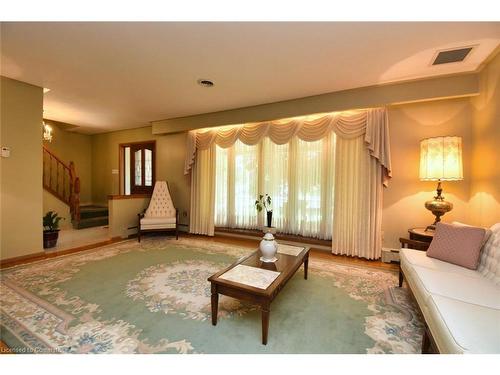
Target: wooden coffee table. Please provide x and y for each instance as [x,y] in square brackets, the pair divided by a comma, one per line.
[286,265]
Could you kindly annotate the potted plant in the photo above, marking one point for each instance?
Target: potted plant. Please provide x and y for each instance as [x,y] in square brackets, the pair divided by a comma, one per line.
[264,202]
[50,229]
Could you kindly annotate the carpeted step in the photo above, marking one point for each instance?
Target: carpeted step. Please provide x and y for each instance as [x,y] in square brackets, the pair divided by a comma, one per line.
[91,222]
[89,212]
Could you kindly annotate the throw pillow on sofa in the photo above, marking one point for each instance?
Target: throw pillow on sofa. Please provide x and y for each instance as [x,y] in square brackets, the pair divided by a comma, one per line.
[460,245]
[487,232]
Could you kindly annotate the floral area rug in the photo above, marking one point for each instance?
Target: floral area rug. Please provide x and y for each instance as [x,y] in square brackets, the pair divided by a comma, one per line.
[154,297]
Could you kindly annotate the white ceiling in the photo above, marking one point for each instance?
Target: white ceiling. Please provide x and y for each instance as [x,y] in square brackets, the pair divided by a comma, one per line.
[108,76]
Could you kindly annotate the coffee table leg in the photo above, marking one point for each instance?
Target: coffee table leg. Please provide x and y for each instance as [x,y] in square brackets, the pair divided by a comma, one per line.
[306,265]
[265,322]
[215,304]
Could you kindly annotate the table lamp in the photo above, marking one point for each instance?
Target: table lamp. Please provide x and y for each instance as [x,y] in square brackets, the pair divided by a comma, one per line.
[440,160]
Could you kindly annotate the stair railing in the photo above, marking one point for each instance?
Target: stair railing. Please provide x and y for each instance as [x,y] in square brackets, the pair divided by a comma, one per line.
[60,180]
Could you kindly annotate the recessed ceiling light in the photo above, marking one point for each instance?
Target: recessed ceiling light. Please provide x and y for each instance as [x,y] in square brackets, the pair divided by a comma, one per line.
[45,90]
[205,83]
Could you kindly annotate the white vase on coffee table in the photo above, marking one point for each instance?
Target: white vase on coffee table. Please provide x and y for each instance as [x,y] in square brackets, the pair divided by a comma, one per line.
[268,247]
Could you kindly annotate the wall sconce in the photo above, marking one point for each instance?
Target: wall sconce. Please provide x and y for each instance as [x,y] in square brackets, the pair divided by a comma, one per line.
[47,132]
[440,160]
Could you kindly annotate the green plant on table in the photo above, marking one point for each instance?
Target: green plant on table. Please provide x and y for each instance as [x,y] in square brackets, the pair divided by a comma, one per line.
[264,202]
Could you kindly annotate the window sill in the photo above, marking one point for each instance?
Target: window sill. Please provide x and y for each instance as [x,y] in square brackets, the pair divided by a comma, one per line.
[130,196]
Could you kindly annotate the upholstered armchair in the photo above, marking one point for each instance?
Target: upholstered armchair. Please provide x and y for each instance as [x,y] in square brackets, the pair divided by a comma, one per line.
[161,215]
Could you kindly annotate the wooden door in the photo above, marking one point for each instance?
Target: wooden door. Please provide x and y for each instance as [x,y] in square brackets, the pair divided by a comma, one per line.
[142,168]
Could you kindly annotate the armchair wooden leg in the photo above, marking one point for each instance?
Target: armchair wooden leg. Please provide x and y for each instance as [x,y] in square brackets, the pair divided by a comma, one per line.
[139,235]
[401,277]
[176,232]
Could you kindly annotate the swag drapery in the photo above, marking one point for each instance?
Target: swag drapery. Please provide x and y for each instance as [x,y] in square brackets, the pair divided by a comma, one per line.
[362,168]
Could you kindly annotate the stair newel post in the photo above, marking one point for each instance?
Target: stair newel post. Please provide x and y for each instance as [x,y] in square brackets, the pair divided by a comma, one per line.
[77,199]
[43,170]
[64,183]
[71,189]
[50,171]
[57,178]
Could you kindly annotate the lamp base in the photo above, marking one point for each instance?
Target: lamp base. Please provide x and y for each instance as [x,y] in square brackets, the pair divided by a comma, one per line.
[438,206]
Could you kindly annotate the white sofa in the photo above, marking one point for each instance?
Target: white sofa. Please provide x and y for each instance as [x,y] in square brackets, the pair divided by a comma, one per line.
[461,307]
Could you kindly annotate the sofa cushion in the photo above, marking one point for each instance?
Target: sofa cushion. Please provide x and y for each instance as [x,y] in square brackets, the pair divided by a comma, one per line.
[157,226]
[475,290]
[489,264]
[419,258]
[158,220]
[148,223]
[460,327]
[459,245]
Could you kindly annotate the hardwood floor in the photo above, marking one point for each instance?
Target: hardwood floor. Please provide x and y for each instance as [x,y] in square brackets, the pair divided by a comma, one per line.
[4,349]
[52,254]
[314,253]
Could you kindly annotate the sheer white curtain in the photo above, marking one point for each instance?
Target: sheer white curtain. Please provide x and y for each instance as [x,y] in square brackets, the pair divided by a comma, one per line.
[221,187]
[203,193]
[243,185]
[357,218]
[275,172]
[236,186]
[297,175]
[311,172]
[237,183]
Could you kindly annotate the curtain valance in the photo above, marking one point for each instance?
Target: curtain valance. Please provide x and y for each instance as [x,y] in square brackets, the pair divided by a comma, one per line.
[373,123]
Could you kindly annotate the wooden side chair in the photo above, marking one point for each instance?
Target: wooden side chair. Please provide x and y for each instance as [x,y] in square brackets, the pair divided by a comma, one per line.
[161,215]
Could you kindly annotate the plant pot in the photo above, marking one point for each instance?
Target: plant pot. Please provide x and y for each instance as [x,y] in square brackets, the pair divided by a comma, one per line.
[269,218]
[50,238]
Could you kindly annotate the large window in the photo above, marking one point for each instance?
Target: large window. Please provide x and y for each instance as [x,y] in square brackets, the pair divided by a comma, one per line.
[137,167]
[298,176]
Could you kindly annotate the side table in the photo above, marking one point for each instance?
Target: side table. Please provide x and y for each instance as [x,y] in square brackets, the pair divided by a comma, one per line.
[420,239]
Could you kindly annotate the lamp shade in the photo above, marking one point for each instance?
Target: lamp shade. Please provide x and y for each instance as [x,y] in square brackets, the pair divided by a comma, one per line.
[441,159]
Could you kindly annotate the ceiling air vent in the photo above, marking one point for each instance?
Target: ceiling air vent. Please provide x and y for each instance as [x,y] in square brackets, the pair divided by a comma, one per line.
[451,56]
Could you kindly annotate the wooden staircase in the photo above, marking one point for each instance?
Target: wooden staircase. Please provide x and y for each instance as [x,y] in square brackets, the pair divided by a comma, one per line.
[61,181]
[92,216]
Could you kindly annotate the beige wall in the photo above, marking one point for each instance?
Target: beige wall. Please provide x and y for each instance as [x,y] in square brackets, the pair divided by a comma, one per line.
[70,146]
[51,203]
[21,174]
[170,154]
[403,205]
[123,215]
[485,181]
